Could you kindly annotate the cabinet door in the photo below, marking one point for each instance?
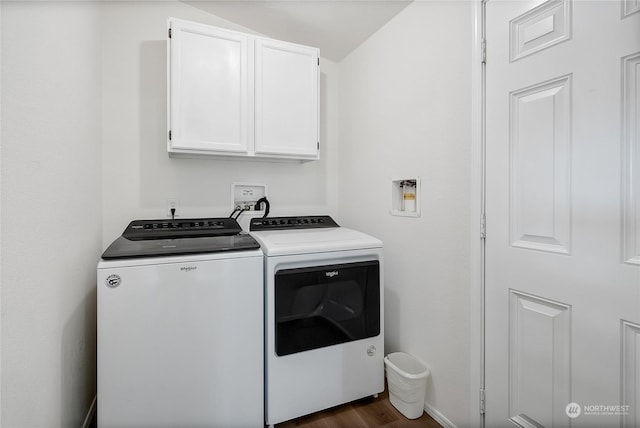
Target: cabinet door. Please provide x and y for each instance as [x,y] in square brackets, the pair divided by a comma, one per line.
[208,95]
[286,97]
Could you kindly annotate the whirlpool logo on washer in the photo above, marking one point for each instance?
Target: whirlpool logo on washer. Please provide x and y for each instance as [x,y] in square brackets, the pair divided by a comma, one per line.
[188,268]
[113,280]
[332,273]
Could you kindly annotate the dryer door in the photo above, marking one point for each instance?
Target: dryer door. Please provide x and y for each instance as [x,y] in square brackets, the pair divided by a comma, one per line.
[326,305]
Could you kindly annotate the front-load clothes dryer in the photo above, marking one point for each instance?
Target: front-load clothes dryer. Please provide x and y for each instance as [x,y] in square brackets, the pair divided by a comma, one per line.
[180,327]
[324,336]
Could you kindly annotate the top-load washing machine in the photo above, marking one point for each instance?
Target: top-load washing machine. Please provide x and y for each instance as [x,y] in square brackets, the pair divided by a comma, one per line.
[180,326]
[324,341]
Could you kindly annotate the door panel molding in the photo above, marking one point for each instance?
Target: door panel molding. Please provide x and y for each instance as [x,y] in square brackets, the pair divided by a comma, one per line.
[630,373]
[630,7]
[540,28]
[540,183]
[539,359]
[631,159]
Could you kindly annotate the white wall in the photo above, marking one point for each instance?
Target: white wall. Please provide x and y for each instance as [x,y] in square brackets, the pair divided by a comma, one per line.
[51,211]
[138,175]
[405,112]
[83,139]
[83,153]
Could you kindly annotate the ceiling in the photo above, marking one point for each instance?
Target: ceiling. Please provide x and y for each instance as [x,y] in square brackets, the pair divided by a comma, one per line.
[335,26]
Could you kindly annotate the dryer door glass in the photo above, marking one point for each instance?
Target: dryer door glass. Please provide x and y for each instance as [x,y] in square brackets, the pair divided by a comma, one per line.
[326,305]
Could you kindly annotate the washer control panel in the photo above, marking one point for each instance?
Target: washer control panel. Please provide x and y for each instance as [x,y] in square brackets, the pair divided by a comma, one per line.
[184,228]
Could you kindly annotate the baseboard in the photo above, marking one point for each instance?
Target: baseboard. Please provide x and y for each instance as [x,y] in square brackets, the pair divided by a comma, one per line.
[438,417]
[90,414]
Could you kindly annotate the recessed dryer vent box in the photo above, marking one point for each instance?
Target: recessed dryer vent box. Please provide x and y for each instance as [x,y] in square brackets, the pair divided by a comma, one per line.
[245,195]
[405,197]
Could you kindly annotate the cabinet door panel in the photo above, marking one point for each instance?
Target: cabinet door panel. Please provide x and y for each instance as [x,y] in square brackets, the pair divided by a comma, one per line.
[286,113]
[208,89]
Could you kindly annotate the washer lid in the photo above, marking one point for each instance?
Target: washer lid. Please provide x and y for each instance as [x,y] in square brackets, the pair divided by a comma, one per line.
[306,241]
[123,248]
[161,238]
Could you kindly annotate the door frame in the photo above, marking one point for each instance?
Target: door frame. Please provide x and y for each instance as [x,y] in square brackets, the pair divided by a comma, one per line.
[477,242]
[0,232]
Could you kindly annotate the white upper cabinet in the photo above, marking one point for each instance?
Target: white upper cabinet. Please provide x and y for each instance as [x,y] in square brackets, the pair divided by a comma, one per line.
[286,97]
[235,94]
[208,89]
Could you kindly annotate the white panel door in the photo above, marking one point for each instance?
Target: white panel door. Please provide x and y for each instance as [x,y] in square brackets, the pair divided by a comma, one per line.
[286,97]
[562,302]
[209,94]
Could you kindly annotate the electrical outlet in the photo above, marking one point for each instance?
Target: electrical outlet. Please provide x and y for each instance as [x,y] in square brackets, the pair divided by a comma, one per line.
[173,203]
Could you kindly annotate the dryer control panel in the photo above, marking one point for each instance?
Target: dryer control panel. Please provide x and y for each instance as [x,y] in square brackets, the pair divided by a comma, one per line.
[286,223]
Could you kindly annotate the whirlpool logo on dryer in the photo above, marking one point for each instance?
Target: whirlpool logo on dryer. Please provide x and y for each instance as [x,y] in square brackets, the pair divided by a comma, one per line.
[188,268]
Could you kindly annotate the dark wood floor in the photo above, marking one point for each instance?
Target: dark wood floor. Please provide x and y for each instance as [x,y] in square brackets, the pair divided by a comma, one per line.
[365,413]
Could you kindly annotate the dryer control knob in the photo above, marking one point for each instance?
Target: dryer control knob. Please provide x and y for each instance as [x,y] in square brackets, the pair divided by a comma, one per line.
[371,351]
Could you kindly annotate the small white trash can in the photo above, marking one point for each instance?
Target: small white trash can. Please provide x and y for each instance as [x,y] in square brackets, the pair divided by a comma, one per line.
[407,380]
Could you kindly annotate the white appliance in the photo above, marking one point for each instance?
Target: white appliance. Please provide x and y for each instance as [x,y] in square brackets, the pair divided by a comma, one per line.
[324,341]
[180,327]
